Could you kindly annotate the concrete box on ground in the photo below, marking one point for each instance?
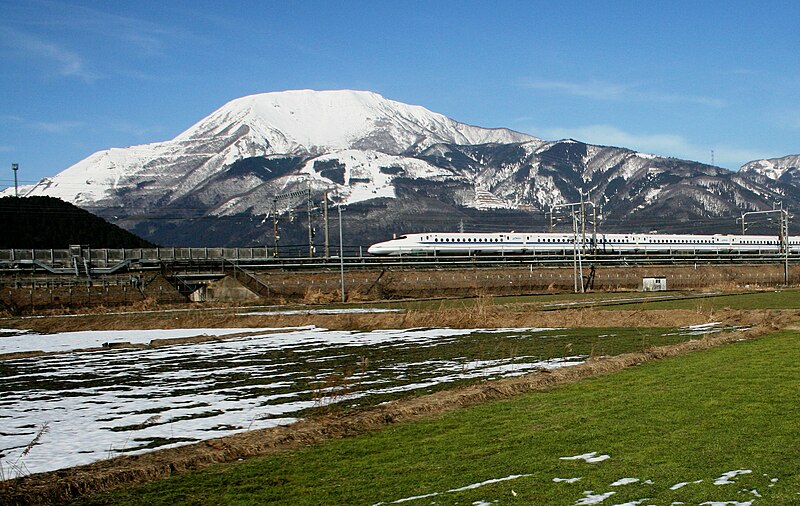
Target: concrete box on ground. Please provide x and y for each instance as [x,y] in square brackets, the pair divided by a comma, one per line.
[654,284]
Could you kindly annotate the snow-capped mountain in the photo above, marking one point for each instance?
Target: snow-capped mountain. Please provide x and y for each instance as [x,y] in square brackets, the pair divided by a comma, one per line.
[400,168]
[278,125]
[773,168]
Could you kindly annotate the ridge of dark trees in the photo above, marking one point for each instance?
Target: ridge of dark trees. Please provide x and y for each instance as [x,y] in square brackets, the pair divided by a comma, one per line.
[48,222]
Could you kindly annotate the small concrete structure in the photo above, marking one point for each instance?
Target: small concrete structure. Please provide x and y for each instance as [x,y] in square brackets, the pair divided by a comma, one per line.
[654,284]
[226,289]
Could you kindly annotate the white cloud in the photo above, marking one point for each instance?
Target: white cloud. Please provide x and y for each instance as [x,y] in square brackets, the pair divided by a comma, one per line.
[129,128]
[58,59]
[599,90]
[662,144]
[57,127]
[68,63]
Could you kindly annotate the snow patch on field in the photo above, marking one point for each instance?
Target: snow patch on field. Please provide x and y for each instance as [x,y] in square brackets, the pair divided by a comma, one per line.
[68,341]
[728,478]
[624,481]
[459,489]
[591,458]
[591,498]
[320,311]
[132,400]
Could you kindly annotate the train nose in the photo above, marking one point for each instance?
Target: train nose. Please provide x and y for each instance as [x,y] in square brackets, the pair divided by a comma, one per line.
[378,249]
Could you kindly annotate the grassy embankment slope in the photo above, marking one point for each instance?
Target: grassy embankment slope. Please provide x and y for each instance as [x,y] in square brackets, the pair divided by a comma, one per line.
[684,420]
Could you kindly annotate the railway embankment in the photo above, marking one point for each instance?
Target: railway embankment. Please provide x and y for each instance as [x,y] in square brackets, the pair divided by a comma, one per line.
[399,284]
[29,294]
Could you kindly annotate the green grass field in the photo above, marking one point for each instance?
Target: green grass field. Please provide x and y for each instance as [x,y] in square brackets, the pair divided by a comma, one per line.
[696,301]
[676,425]
[777,299]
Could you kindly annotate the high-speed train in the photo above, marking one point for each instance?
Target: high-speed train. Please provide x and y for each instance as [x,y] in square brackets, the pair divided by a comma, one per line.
[445,243]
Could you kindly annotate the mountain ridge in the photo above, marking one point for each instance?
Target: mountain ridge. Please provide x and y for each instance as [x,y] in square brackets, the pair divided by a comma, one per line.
[398,164]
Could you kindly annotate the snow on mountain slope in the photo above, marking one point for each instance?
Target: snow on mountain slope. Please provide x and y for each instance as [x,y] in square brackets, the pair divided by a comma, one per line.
[350,176]
[168,168]
[322,121]
[305,123]
[773,168]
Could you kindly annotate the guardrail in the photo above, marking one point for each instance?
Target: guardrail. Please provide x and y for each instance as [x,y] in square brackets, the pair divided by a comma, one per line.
[104,257]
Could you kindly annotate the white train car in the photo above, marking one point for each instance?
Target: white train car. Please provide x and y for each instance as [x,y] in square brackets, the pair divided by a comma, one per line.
[445,243]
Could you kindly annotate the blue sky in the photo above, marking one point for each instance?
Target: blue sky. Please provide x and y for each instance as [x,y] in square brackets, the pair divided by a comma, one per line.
[679,78]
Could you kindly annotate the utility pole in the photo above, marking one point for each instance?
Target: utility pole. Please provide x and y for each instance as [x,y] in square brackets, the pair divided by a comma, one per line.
[783,234]
[578,235]
[583,226]
[341,253]
[785,216]
[577,260]
[574,251]
[310,227]
[291,195]
[325,218]
[275,225]
[15,168]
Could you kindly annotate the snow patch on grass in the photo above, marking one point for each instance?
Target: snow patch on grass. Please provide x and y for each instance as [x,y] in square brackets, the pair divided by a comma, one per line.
[728,478]
[591,458]
[459,489]
[624,481]
[591,498]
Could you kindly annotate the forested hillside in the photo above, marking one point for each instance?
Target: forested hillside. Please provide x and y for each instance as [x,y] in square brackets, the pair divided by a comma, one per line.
[47,222]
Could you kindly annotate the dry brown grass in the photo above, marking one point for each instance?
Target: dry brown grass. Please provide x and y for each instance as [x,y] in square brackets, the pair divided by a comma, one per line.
[316,296]
[482,314]
[60,486]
